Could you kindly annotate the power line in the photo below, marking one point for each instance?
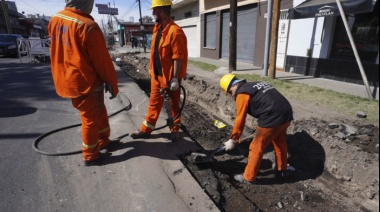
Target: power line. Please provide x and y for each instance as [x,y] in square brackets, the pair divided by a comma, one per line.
[131,8]
[147,3]
[32,7]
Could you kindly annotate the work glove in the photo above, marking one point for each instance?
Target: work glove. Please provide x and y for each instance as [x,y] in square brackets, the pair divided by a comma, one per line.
[174,85]
[230,144]
[109,88]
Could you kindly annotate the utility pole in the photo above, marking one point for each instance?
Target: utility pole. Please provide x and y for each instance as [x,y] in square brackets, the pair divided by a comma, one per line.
[274,39]
[267,38]
[104,29]
[6,17]
[142,27]
[233,35]
[110,22]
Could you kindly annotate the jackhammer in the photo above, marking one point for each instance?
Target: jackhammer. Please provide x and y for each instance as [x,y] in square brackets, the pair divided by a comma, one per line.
[170,120]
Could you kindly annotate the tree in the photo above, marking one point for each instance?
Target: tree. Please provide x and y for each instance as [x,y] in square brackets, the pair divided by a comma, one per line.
[147,19]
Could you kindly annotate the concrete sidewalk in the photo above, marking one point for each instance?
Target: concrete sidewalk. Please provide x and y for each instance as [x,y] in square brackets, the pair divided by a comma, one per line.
[151,170]
[245,68]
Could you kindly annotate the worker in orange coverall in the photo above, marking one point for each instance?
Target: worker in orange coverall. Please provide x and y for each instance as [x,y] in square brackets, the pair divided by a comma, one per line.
[168,65]
[82,70]
[274,114]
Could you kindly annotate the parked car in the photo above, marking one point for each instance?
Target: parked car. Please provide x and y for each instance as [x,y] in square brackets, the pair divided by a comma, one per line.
[9,45]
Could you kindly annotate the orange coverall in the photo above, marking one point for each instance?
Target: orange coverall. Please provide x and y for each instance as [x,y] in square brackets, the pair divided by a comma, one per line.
[173,46]
[81,65]
[263,137]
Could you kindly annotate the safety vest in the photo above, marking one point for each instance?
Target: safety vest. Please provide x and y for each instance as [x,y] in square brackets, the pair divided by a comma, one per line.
[266,104]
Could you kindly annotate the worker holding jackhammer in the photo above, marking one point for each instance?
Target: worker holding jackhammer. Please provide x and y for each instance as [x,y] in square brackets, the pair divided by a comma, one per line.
[82,70]
[274,115]
[168,65]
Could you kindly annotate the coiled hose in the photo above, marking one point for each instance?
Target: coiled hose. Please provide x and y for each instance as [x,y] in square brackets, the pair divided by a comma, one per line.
[128,107]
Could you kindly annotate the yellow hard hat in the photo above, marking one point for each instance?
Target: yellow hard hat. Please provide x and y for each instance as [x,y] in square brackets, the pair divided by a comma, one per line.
[160,3]
[226,81]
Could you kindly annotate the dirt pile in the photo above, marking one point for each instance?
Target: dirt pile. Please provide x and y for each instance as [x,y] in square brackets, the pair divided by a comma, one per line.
[336,157]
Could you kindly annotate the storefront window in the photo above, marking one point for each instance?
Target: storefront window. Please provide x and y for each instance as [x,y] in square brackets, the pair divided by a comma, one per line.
[365,31]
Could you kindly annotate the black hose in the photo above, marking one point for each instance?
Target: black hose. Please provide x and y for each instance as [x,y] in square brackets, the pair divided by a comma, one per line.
[37,141]
[180,109]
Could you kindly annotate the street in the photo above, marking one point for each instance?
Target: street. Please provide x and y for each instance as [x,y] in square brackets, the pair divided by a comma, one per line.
[142,175]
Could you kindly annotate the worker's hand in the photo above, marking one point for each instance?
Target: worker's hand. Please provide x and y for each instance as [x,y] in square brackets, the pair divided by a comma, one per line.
[230,144]
[174,85]
[110,89]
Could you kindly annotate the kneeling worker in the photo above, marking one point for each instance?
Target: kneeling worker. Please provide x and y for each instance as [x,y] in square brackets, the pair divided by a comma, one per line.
[274,114]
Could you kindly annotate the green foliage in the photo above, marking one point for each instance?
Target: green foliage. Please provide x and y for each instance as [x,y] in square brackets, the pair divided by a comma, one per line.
[203,66]
[344,103]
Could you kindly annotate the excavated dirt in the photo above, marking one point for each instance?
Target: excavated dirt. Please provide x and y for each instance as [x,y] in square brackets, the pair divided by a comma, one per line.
[336,157]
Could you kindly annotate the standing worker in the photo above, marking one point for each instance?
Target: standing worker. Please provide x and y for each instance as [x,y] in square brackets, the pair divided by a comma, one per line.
[168,65]
[82,70]
[274,115]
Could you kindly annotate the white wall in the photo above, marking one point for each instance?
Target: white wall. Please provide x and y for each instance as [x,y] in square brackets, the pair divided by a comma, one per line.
[318,39]
[191,27]
[312,35]
[300,35]
[327,36]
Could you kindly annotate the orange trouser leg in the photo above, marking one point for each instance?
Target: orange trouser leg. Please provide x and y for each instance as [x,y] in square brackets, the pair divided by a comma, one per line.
[281,148]
[95,125]
[156,102]
[263,137]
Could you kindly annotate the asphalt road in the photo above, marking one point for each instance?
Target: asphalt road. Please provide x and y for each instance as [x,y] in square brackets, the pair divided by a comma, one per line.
[142,175]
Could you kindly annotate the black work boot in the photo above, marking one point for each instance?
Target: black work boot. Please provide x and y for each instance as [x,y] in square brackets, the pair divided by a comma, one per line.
[174,137]
[240,178]
[139,134]
[112,145]
[284,174]
[98,161]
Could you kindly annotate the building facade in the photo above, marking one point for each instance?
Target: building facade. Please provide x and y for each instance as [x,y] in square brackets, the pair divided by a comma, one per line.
[320,46]
[27,26]
[12,15]
[133,30]
[251,29]
[186,14]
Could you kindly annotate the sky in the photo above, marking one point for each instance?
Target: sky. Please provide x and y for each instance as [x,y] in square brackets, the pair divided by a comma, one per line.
[127,8]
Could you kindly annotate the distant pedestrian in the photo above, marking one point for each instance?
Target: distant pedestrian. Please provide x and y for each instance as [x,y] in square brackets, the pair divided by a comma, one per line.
[168,65]
[82,70]
[274,115]
[133,41]
[136,42]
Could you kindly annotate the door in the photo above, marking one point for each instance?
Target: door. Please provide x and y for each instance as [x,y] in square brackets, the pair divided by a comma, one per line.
[282,44]
[246,31]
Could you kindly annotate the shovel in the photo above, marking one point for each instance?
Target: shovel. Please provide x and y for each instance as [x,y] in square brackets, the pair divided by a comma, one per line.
[197,158]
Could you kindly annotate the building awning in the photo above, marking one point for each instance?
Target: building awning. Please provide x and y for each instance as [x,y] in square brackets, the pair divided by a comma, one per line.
[322,8]
[37,26]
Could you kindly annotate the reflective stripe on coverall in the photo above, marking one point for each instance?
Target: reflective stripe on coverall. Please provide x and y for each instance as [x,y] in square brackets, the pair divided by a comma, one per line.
[263,137]
[80,65]
[80,61]
[95,125]
[173,46]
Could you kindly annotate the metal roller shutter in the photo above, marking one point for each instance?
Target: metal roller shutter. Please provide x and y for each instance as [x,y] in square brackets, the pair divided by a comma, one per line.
[246,34]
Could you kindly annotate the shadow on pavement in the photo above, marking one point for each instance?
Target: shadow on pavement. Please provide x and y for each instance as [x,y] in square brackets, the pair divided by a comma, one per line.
[155,146]
[16,111]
